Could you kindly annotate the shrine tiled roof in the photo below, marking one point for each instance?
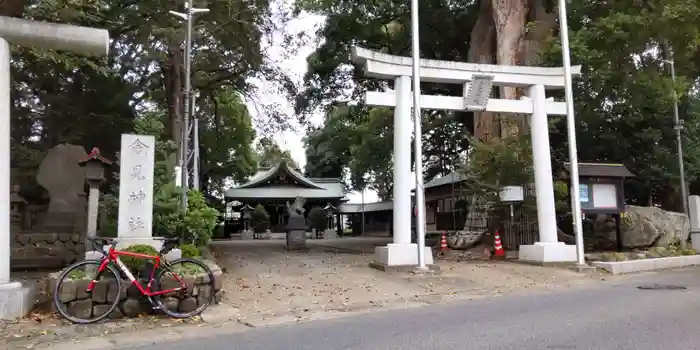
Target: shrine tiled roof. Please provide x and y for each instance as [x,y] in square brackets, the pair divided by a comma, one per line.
[261,185]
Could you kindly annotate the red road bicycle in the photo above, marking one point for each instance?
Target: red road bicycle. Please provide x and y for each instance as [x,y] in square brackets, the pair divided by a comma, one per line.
[79,306]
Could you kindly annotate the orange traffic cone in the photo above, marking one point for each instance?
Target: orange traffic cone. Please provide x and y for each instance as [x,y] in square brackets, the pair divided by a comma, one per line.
[443,243]
[498,247]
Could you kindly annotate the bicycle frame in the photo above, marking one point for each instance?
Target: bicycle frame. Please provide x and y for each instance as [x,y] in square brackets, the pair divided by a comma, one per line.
[113,256]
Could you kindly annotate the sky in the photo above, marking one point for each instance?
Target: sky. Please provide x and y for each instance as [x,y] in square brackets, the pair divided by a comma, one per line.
[291,140]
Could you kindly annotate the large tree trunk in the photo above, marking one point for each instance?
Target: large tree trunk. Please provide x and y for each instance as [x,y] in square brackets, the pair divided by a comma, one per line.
[12,8]
[172,80]
[510,19]
[542,22]
[482,50]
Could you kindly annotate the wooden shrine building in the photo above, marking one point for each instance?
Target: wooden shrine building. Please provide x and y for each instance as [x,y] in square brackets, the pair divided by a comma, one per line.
[281,184]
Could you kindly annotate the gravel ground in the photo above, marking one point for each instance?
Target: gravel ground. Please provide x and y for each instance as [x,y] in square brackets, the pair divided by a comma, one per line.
[263,282]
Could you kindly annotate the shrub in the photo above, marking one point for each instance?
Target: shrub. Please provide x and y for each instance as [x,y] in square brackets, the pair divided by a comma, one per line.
[259,219]
[317,219]
[137,265]
[190,251]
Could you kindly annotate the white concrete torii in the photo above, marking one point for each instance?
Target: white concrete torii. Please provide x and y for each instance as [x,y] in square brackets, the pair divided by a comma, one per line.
[477,81]
[44,35]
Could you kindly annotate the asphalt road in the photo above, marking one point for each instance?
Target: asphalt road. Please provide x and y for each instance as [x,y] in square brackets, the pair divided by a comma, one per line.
[604,317]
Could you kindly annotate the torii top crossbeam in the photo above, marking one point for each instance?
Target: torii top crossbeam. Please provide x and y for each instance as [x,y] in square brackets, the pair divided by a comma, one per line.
[54,36]
[377,64]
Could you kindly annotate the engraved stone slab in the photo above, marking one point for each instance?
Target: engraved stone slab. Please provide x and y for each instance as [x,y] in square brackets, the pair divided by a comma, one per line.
[137,160]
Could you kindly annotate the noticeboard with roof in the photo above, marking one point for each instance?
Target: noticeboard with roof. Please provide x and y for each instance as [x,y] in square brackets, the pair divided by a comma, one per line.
[601,187]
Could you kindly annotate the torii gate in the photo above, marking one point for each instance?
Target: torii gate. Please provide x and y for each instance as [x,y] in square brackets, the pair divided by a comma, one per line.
[477,80]
[16,300]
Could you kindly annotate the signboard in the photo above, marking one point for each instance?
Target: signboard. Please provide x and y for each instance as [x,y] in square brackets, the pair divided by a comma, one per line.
[583,193]
[136,186]
[604,196]
[511,194]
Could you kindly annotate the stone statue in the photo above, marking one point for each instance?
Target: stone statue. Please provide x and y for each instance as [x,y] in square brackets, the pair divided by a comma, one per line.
[296,226]
[296,208]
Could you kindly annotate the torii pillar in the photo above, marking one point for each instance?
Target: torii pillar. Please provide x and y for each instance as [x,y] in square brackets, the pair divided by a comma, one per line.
[16,300]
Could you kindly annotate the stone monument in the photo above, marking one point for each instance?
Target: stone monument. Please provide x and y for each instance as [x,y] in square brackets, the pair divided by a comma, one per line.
[64,180]
[16,300]
[137,160]
[296,226]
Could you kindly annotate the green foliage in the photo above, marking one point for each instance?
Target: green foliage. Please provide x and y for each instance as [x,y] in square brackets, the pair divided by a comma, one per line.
[496,163]
[317,219]
[196,225]
[137,265]
[269,154]
[190,251]
[226,141]
[624,100]
[199,221]
[355,142]
[59,96]
[259,219]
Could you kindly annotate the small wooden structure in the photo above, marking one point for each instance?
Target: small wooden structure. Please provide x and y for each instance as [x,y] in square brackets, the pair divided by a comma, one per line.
[602,190]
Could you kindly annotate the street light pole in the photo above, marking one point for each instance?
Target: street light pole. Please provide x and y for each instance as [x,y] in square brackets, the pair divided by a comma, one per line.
[418,141]
[185,127]
[678,127]
[571,132]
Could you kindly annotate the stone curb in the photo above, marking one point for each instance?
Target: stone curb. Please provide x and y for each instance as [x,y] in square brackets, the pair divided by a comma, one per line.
[632,266]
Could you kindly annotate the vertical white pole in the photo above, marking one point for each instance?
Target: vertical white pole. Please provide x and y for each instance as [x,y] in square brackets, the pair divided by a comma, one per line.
[418,141]
[544,185]
[5,161]
[402,162]
[571,133]
[363,211]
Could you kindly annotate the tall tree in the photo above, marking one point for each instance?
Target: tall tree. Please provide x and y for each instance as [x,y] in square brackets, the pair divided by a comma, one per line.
[226,140]
[269,154]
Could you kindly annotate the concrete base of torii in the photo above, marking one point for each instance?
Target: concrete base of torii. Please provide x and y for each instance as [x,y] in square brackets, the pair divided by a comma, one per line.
[542,252]
[16,300]
[395,255]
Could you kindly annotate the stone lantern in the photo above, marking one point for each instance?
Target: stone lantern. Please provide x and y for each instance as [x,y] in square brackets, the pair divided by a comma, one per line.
[331,212]
[95,166]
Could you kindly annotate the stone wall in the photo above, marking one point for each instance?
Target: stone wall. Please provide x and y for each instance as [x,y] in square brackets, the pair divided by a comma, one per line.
[131,302]
[44,250]
[38,244]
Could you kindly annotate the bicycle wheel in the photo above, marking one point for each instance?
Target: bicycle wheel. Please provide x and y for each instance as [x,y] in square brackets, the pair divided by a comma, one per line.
[72,300]
[197,294]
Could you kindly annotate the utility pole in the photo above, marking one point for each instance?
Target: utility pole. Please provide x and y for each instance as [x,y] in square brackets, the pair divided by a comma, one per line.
[185,126]
[678,127]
